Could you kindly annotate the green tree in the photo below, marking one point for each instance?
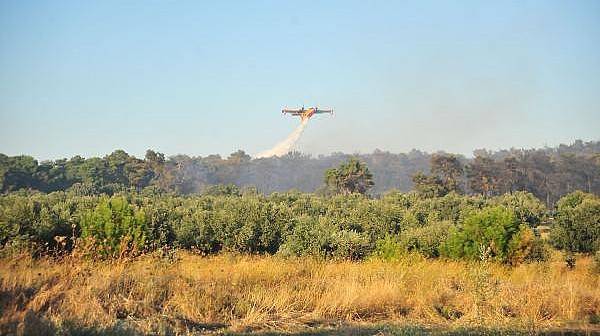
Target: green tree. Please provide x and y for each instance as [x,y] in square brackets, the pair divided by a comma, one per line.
[350,177]
[162,176]
[115,227]
[446,174]
[18,172]
[509,174]
[483,175]
[449,169]
[577,224]
[429,185]
[494,233]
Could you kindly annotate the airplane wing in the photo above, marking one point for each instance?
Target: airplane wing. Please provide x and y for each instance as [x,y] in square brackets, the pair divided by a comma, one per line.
[318,111]
[291,111]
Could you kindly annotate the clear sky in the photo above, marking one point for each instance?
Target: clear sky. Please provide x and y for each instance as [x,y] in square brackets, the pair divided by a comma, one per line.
[202,77]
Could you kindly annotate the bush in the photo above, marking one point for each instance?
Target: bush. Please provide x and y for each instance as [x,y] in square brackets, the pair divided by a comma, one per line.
[388,248]
[114,227]
[349,245]
[577,224]
[539,252]
[494,232]
[196,231]
[425,240]
[526,206]
[319,237]
[249,224]
[36,219]
[310,236]
[222,190]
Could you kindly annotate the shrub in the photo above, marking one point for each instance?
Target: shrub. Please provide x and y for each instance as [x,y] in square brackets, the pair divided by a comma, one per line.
[249,224]
[388,248]
[521,247]
[577,224]
[223,190]
[320,237]
[526,206]
[539,252]
[196,231]
[83,189]
[310,236]
[114,227]
[160,220]
[36,219]
[495,230]
[349,245]
[425,240]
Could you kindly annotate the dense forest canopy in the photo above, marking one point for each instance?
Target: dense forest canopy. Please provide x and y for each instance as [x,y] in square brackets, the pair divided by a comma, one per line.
[548,173]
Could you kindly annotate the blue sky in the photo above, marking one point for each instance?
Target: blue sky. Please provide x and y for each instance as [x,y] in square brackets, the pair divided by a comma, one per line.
[193,77]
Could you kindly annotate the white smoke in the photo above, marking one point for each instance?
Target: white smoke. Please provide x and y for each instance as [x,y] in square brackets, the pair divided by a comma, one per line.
[286,145]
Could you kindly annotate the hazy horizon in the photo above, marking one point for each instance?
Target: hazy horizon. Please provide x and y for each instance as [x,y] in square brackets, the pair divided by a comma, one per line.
[313,155]
[86,78]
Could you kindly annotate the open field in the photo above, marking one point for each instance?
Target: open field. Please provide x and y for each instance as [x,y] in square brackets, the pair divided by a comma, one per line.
[230,293]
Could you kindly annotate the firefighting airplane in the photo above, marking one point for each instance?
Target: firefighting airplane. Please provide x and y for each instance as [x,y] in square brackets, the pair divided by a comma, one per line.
[305,114]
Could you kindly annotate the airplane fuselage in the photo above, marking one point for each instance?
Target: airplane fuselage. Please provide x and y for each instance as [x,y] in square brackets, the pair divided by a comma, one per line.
[305,113]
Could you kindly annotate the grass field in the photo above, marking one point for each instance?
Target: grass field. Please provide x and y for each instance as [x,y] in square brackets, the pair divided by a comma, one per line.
[190,294]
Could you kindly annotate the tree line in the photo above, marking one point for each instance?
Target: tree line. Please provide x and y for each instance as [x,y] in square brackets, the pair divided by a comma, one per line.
[340,221]
[547,173]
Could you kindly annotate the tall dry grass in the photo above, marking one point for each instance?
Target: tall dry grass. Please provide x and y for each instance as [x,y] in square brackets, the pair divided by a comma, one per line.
[238,293]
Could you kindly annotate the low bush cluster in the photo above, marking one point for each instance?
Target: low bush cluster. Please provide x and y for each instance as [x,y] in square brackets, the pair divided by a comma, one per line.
[577,226]
[293,224]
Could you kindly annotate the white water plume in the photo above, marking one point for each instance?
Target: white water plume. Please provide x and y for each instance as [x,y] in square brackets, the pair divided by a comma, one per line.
[286,145]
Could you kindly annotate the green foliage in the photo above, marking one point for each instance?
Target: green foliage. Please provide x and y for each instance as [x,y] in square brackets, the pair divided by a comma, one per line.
[223,190]
[494,233]
[577,223]
[310,236]
[425,240]
[323,239]
[250,224]
[196,231]
[526,206]
[449,169]
[429,185]
[350,177]
[115,227]
[388,248]
[36,218]
[350,245]
[349,227]
[547,173]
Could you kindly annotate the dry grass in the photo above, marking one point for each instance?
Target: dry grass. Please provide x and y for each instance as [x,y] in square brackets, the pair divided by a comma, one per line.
[229,293]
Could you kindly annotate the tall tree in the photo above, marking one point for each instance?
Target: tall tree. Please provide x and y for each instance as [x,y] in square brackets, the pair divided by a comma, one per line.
[350,177]
[449,169]
[483,176]
[509,174]
[429,185]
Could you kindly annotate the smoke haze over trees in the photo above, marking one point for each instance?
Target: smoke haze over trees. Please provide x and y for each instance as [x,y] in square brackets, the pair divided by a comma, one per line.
[548,173]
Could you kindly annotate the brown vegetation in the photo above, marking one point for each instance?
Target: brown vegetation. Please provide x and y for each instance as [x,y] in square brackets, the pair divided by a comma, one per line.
[233,293]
